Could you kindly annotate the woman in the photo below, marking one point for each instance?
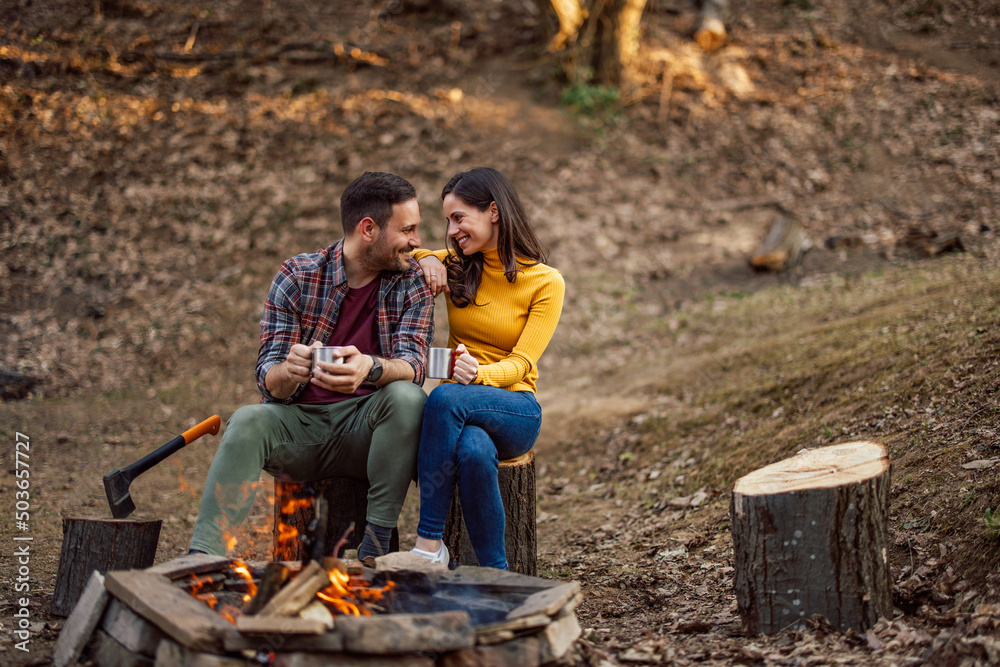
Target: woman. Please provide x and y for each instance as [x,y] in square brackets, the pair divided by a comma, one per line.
[503,307]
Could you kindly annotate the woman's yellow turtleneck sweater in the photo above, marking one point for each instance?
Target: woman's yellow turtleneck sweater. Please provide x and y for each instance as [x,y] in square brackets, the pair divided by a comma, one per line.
[511,325]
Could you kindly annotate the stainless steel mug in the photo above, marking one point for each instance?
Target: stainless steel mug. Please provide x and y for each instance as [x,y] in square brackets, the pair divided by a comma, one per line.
[327,353]
[441,363]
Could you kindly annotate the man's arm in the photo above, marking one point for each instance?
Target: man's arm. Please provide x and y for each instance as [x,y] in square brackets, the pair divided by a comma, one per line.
[284,378]
[280,330]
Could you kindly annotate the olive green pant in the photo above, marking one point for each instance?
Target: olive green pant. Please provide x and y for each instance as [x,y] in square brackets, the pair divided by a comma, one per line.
[373,437]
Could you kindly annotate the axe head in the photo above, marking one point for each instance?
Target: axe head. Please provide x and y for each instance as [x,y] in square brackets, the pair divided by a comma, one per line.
[116,485]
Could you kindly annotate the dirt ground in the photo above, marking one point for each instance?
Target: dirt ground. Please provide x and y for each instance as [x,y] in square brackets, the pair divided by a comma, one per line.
[158,160]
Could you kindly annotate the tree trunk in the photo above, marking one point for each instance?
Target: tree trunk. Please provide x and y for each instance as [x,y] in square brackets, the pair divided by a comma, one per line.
[810,537]
[100,545]
[346,502]
[517,490]
[617,60]
[598,41]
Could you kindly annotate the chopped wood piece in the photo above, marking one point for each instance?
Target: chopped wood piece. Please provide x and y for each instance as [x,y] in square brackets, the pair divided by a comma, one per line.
[275,576]
[302,590]
[810,536]
[317,611]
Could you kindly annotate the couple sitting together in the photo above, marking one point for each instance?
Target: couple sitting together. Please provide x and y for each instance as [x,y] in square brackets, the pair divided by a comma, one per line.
[367,417]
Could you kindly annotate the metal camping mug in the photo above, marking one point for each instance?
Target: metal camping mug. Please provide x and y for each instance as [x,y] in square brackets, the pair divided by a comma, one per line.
[441,363]
[327,353]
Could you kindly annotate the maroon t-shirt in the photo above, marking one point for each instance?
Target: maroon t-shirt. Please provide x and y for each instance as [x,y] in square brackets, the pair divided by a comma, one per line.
[355,326]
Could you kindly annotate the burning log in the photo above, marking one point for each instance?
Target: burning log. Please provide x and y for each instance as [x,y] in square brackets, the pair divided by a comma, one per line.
[275,576]
[99,545]
[299,592]
[517,490]
[810,537]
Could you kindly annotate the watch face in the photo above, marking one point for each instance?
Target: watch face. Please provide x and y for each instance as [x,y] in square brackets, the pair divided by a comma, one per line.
[376,372]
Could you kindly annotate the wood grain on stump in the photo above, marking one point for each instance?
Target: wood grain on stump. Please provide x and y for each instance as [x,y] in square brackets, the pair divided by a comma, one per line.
[810,536]
[100,545]
[517,490]
[347,502]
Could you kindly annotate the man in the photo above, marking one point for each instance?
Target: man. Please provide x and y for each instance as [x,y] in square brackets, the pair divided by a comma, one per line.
[359,417]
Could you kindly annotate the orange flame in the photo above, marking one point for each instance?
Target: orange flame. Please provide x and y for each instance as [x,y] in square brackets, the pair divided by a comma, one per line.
[230,613]
[240,569]
[293,504]
[349,596]
[207,598]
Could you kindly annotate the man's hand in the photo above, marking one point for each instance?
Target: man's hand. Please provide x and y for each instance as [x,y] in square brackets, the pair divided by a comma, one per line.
[346,377]
[435,274]
[283,379]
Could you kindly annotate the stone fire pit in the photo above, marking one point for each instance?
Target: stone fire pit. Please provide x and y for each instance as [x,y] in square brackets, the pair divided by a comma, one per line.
[430,616]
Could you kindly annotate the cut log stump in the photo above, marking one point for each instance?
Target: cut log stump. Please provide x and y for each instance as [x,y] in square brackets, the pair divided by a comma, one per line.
[100,545]
[346,502]
[783,247]
[810,536]
[517,490]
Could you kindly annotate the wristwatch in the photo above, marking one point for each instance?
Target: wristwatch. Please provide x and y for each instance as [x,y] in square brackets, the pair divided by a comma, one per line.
[376,372]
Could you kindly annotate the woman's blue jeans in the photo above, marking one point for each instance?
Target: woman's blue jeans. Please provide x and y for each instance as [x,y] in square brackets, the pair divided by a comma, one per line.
[467,431]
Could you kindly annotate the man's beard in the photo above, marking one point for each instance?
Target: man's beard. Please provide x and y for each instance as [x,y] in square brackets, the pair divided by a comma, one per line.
[380,257]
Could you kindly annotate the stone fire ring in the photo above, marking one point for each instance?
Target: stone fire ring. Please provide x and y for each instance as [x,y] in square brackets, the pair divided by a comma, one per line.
[145,617]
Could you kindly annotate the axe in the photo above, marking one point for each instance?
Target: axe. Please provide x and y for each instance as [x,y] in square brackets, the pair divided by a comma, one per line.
[117,482]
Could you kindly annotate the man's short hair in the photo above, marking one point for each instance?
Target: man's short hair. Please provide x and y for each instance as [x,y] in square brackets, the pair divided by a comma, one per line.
[372,195]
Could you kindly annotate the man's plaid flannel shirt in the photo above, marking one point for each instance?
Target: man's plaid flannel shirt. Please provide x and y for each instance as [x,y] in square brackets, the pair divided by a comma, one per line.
[294,312]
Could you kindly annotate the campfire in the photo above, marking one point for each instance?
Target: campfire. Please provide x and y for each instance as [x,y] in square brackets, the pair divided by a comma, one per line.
[404,610]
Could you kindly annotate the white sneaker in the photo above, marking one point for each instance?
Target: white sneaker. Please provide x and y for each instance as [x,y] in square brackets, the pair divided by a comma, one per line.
[440,557]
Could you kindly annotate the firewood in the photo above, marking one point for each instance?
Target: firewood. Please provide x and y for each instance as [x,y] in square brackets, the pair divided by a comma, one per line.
[810,536]
[275,576]
[302,590]
[317,611]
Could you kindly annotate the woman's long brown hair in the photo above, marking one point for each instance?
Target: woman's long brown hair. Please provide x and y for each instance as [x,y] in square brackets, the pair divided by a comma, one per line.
[517,244]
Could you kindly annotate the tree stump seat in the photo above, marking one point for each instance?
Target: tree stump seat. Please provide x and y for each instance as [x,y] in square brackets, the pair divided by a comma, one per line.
[517,490]
[96,544]
[346,502]
[810,536]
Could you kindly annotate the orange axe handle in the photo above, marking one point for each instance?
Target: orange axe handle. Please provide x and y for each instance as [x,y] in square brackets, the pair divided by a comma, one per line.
[210,425]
